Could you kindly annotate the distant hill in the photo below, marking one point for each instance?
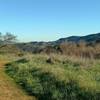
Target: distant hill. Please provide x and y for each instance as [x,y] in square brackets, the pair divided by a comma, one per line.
[93,38]
[36,47]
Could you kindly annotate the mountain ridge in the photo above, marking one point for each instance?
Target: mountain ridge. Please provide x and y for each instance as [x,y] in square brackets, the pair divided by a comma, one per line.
[76,39]
[36,47]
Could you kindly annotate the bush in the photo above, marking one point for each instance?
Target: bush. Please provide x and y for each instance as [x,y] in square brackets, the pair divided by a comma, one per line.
[80,50]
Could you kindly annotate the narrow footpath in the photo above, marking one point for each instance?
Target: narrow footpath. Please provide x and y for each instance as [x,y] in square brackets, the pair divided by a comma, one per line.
[8,89]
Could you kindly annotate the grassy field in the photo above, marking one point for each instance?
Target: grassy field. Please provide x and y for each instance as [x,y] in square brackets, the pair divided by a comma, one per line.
[57,77]
[9,90]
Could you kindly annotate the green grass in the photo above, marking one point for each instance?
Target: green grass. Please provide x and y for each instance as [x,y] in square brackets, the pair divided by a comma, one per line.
[8,89]
[67,78]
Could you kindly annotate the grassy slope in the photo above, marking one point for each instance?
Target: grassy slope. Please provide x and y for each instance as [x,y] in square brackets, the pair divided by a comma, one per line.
[65,78]
[8,89]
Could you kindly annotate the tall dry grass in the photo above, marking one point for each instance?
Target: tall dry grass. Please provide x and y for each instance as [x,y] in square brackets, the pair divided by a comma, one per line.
[80,50]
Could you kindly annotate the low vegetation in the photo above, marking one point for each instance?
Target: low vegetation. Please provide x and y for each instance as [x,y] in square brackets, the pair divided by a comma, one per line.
[81,49]
[8,89]
[58,70]
[57,77]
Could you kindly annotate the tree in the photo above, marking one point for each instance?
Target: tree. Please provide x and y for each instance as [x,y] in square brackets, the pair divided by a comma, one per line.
[6,39]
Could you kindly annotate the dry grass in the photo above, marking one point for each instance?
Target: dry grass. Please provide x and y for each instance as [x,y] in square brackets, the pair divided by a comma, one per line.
[81,50]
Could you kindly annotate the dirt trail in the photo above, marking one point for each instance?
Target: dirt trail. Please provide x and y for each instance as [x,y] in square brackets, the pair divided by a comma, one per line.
[8,89]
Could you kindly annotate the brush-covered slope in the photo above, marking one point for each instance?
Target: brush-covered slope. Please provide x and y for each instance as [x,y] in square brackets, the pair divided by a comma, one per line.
[93,38]
[62,78]
[37,47]
[10,49]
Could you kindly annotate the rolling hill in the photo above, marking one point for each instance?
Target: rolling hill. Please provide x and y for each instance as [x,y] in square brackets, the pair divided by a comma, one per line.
[93,38]
[36,47]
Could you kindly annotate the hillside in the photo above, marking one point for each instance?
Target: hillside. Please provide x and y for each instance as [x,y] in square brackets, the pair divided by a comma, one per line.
[37,47]
[57,72]
[62,78]
[93,38]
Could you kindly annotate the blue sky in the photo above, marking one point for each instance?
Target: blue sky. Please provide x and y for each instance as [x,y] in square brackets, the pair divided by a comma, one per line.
[44,20]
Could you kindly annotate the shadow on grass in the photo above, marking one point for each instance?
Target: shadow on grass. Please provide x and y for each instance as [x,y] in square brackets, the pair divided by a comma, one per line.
[54,89]
[45,86]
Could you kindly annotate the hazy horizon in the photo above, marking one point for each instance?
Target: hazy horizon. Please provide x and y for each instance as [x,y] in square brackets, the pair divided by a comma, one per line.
[49,20]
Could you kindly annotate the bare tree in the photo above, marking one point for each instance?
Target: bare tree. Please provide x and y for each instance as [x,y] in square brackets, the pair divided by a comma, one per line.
[6,39]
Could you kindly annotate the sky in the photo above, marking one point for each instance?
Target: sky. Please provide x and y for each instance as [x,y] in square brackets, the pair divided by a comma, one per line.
[48,20]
